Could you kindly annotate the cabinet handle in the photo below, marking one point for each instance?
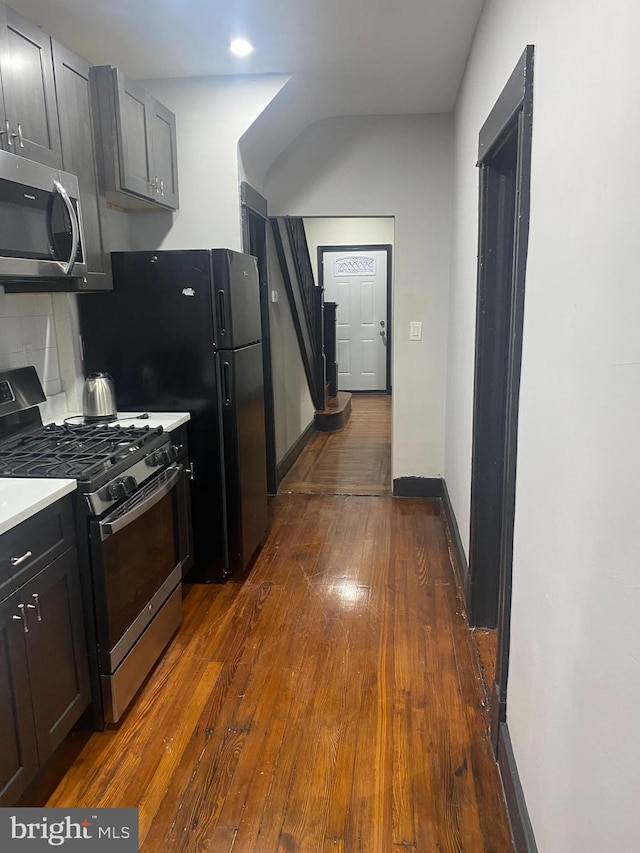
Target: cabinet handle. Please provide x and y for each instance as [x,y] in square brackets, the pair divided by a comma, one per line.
[22,618]
[8,133]
[36,606]
[154,185]
[20,135]
[190,471]
[161,186]
[15,561]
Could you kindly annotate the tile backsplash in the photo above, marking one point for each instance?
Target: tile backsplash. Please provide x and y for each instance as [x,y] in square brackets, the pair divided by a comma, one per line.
[28,337]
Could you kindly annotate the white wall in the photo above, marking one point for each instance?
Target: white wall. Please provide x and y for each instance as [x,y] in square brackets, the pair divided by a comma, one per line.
[212,113]
[574,683]
[346,231]
[390,166]
[293,407]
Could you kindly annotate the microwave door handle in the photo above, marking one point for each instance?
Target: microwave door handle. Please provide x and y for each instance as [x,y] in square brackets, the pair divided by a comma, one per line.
[75,230]
[107,528]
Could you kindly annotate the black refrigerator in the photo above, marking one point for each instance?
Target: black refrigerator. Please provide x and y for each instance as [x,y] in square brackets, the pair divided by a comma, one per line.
[181,332]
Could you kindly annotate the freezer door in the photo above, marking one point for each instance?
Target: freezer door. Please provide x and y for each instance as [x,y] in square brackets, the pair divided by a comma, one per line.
[242,403]
[236,296]
[154,332]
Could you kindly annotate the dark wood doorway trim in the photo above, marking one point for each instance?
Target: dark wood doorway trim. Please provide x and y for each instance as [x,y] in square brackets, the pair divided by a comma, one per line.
[254,241]
[368,247]
[504,158]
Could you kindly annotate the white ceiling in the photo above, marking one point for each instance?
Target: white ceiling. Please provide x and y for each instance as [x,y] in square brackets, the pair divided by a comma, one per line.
[366,56]
[347,57]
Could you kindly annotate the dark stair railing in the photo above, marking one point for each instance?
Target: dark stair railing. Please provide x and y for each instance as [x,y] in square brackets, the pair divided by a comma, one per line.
[329,325]
[305,299]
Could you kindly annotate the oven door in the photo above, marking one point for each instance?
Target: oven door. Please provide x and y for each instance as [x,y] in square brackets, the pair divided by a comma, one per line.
[136,577]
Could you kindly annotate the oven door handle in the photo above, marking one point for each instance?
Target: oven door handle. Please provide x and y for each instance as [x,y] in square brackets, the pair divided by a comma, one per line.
[108,528]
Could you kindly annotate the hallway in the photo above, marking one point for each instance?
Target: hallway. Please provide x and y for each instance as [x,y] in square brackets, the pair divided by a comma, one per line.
[355,460]
[328,700]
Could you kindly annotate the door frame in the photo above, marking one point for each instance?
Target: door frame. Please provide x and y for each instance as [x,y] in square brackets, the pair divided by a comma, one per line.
[253,209]
[490,566]
[366,247]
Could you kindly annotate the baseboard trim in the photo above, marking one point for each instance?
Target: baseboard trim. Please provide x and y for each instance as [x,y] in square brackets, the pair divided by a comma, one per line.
[521,829]
[453,532]
[418,487]
[286,463]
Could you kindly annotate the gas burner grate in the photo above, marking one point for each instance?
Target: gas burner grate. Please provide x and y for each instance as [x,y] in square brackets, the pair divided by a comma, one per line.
[75,451]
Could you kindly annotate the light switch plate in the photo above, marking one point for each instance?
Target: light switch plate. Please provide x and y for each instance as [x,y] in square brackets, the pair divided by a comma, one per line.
[415,330]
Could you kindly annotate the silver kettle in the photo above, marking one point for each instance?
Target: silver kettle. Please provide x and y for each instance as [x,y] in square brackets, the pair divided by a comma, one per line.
[99,398]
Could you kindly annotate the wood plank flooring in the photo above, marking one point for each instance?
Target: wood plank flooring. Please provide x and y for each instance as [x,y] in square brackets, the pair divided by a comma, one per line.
[328,701]
[355,460]
[486,642]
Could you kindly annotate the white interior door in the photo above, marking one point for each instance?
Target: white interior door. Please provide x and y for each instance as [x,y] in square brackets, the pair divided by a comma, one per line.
[357,282]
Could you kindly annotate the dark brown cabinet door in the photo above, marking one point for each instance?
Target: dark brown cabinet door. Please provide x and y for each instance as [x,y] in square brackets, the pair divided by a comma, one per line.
[137,143]
[79,137]
[31,111]
[56,651]
[134,140]
[18,752]
[165,162]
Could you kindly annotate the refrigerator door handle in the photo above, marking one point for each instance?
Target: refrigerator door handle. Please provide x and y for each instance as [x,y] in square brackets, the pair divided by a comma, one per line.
[222,312]
[226,383]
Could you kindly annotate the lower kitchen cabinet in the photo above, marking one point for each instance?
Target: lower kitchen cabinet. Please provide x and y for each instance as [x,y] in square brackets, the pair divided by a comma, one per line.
[44,674]
[18,750]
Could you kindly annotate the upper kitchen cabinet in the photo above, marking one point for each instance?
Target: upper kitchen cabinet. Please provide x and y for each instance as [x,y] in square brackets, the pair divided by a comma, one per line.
[138,143]
[163,140]
[79,145]
[29,116]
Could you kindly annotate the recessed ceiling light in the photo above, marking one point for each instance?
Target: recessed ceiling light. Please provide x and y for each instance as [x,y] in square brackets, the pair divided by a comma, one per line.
[240,47]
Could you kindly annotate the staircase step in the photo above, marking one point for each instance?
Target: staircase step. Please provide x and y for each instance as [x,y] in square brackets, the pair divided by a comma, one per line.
[337,413]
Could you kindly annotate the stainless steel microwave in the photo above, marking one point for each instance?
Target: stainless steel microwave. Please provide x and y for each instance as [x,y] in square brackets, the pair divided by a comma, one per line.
[41,233]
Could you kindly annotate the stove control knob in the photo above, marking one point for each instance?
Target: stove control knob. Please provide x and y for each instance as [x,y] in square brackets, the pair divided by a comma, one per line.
[117,490]
[164,456]
[121,488]
[130,484]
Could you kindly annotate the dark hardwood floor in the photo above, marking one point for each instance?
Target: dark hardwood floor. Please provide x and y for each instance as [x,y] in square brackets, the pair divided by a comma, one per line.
[329,700]
[355,460]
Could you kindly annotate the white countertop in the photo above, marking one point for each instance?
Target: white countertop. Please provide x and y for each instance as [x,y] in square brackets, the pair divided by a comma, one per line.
[166,420]
[22,498]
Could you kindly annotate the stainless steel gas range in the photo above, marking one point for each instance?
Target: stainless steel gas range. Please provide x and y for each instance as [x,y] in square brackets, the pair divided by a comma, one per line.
[127,511]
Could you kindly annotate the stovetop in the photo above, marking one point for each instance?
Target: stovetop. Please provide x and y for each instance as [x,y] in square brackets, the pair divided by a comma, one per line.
[87,453]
